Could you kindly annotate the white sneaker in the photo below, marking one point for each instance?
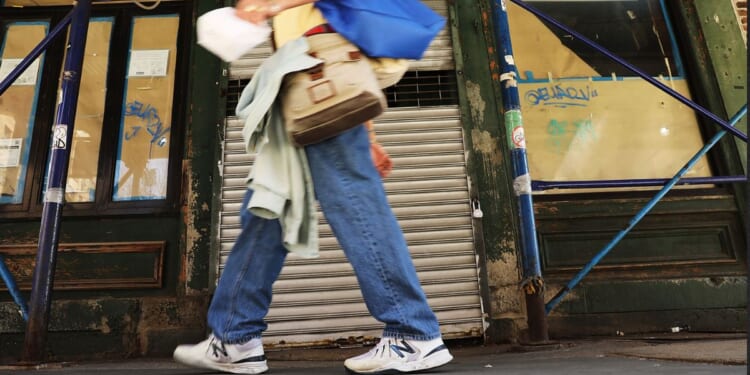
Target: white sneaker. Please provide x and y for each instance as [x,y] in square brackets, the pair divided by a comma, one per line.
[400,355]
[211,353]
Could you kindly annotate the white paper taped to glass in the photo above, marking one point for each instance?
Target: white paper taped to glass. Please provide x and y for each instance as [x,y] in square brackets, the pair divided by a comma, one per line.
[227,36]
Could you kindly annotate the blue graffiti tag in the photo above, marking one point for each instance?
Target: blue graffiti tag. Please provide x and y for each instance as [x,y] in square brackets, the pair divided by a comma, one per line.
[150,116]
[559,96]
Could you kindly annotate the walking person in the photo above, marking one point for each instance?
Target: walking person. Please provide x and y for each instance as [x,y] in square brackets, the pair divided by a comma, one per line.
[350,193]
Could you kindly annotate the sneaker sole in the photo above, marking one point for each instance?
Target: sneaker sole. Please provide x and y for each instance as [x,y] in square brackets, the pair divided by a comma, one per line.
[234,368]
[439,359]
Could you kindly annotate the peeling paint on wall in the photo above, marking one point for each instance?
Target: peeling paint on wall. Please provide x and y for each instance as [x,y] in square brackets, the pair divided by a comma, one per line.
[507,300]
[483,142]
[504,271]
[505,295]
[476,102]
[193,208]
[104,325]
[159,316]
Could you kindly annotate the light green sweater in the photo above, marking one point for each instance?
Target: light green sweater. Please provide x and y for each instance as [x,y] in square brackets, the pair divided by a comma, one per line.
[280,177]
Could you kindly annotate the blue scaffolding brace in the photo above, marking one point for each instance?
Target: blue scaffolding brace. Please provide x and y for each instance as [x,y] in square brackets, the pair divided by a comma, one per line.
[57,170]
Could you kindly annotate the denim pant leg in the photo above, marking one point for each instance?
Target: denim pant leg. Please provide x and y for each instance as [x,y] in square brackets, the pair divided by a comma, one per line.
[242,298]
[353,200]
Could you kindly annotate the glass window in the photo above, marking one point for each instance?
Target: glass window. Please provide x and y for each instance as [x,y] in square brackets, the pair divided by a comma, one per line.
[18,106]
[587,117]
[123,157]
[143,149]
[84,155]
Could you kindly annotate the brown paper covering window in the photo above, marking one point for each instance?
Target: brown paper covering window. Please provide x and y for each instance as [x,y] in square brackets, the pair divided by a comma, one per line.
[596,130]
[146,127]
[84,156]
[17,105]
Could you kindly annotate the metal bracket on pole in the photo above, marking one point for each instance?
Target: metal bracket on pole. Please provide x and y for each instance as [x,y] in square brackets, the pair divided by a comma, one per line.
[54,196]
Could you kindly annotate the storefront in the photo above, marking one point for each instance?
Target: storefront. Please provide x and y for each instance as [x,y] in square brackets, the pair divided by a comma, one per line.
[318,301]
[157,170]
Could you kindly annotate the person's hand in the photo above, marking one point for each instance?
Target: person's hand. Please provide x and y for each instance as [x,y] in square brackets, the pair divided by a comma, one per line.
[257,11]
[380,158]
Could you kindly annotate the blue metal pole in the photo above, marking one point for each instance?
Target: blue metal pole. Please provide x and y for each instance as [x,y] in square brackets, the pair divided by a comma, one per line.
[727,127]
[4,85]
[36,52]
[672,38]
[650,205]
[54,196]
[546,185]
[12,288]
[532,283]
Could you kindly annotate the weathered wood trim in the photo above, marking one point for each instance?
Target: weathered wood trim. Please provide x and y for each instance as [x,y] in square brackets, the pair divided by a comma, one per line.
[488,157]
[20,259]
[202,182]
[699,236]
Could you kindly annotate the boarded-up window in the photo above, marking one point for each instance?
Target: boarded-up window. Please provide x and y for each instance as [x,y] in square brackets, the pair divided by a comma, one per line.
[143,156]
[84,156]
[587,117]
[18,107]
[128,127]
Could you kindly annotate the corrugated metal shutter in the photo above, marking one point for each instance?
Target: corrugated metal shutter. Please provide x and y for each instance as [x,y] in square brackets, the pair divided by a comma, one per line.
[318,301]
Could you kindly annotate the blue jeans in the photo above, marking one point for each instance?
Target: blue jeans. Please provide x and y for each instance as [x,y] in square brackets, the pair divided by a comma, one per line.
[351,196]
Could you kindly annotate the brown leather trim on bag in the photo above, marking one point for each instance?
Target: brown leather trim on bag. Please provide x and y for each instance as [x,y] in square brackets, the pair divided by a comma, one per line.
[353,111]
[316,89]
[316,69]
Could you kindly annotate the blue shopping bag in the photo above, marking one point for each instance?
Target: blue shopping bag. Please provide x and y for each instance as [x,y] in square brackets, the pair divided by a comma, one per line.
[384,28]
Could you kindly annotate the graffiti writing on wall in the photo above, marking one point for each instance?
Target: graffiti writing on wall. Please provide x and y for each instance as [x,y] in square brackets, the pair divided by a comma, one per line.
[149,116]
[561,96]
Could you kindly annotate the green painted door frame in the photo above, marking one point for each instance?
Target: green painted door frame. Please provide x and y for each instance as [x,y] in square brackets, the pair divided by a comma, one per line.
[207,111]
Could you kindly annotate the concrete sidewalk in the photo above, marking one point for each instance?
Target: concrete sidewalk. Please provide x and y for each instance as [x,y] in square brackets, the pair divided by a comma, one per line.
[717,355]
